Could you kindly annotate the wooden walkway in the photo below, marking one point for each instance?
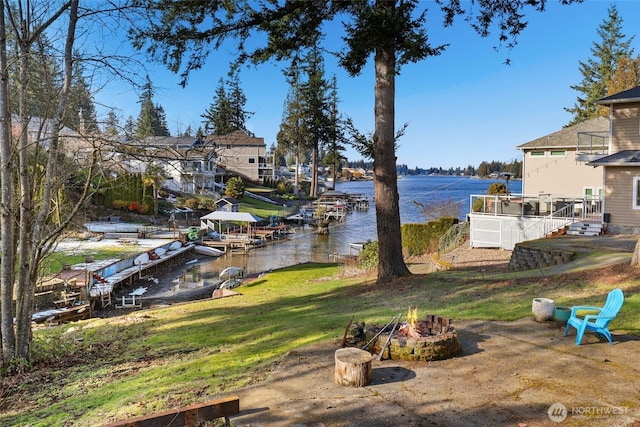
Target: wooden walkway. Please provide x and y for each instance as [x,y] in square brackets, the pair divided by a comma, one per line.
[103,277]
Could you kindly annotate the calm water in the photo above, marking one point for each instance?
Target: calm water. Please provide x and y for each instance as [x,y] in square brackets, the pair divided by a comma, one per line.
[305,245]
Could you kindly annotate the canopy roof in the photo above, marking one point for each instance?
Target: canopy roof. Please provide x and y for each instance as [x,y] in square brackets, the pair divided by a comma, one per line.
[231,216]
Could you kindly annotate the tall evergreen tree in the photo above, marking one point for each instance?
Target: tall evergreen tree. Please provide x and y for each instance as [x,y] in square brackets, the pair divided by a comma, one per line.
[390,31]
[598,70]
[152,119]
[80,114]
[129,128]
[111,125]
[335,143]
[292,135]
[315,111]
[227,114]
[238,101]
[217,118]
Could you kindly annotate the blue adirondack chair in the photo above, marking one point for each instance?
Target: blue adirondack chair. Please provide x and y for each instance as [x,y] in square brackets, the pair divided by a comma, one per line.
[598,323]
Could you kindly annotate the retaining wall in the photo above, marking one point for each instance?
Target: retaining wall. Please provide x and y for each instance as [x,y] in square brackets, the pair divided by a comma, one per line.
[527,258]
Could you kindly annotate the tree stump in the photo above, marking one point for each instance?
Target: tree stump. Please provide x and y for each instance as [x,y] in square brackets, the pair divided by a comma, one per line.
[352,367]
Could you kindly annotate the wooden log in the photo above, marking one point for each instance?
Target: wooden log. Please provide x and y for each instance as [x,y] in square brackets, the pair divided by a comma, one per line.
[352,367]
[186,416]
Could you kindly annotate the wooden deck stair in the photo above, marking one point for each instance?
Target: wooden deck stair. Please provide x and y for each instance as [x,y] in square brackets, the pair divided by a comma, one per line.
[586,228]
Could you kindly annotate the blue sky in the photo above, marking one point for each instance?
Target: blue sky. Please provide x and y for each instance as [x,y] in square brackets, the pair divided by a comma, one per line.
[463,107]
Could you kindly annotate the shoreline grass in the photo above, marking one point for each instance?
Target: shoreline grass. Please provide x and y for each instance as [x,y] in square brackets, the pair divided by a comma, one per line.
[101,370]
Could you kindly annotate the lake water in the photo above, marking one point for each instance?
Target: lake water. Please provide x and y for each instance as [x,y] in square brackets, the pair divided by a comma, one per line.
[304,245]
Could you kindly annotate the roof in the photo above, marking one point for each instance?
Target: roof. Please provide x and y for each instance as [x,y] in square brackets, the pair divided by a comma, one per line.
[228,200]
[621,158]
[567,137]
[231,216]
[236,138]
[626,96]
[333,193]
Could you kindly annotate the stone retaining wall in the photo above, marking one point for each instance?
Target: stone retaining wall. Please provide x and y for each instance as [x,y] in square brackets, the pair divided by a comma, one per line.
[527,258]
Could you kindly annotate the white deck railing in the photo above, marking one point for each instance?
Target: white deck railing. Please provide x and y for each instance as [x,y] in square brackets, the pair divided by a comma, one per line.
[543,205]
[504,220]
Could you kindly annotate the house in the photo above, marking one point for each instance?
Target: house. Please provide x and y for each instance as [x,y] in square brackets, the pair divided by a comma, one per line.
[188,165]
[621,163]
[243,155]
[585,186]
[555,164]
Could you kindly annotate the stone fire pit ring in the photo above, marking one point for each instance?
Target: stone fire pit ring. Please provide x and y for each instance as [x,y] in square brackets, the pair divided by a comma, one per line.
[440,341]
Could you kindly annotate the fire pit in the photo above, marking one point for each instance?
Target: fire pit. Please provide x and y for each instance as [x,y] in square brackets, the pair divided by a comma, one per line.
[433,338]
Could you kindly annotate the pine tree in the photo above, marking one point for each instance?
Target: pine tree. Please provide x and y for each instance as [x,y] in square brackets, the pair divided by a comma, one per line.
[598,71]
[217,118]
[226,114]
[152,119]
[315,111]
[385,33]
[129,128]
[111,125]
[237,99]
[144,124]
[81,111]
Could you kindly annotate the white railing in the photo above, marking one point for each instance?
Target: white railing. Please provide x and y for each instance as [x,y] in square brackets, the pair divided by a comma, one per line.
[549,224]
[504,220]
[536,205]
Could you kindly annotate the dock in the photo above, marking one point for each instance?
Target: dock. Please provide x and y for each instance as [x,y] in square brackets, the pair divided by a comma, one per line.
[103,277]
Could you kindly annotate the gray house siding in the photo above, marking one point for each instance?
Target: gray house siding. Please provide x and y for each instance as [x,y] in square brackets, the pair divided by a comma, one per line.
[623,218]
[626,127]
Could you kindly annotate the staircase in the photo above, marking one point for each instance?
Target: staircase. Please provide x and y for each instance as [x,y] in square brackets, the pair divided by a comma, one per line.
[584,228]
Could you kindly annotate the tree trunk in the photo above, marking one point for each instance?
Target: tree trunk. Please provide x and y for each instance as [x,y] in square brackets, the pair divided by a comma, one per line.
[390,261]
[635,259]
[352,367]
[7,253]
[35,207]
[314,171]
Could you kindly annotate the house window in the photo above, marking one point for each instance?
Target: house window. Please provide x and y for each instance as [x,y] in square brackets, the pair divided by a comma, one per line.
[558,153]
[537,153]
[636,192]
[252,160]
[588,193]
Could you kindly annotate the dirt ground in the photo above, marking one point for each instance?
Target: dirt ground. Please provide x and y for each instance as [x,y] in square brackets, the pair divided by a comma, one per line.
[508,374]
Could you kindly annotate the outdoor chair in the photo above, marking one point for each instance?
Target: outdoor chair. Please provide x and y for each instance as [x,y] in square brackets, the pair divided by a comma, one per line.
[599,322]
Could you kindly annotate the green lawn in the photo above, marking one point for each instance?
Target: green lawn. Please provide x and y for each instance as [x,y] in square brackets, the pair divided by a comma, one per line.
[152,360]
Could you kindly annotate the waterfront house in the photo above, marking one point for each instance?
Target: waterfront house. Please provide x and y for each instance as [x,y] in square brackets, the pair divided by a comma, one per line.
[621,164]
[587,188]
[555,163]
[188,164]
[243,155]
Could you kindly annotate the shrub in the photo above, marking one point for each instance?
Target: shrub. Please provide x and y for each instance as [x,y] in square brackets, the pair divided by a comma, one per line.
[368,258]
[419,239]
[191,203]
[478,205]
[208,204]
[235,188]
[120,204]
[142,209]
[497,188]
[284,187]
